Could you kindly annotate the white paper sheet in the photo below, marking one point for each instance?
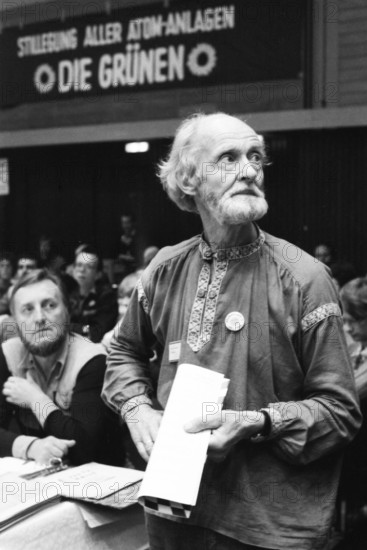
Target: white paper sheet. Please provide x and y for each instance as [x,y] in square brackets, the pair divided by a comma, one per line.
[9,464]
[177,461]
[93,481]
[19,497]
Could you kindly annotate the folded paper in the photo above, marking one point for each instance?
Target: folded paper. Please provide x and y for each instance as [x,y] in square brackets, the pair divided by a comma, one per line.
[173,475]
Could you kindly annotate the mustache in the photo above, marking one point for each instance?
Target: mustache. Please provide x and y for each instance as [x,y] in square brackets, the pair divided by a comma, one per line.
[250,191]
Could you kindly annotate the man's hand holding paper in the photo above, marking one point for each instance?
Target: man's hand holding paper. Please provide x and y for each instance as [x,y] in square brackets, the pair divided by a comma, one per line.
[227,427]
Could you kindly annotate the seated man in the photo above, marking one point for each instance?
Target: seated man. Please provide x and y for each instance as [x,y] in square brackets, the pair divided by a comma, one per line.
[51,381]
[97,311]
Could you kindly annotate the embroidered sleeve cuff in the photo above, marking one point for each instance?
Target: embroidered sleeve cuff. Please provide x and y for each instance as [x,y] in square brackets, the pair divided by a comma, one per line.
[319,314]
[134,402]
[276,424]
[20,446]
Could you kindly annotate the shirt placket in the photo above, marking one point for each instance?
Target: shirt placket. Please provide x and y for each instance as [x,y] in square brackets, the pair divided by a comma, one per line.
[204,308]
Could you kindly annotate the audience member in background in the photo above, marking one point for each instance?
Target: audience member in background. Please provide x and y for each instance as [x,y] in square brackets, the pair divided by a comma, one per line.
[342,270]
[6,272]
[51,381]
[354,299]
[70,267]
[49,255]
[96,311]
[126,247]
[124,292]
[148,256]
[71,287]
[324,253]
[353,485]
[26,263]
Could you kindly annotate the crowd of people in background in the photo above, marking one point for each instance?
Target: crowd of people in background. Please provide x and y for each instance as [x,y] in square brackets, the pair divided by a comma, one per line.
[98,297]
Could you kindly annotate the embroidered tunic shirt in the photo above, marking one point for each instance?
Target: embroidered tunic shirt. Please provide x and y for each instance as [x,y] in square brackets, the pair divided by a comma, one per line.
[290,357]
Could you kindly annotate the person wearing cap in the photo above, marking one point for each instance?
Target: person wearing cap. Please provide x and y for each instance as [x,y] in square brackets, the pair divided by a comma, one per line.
[262,312]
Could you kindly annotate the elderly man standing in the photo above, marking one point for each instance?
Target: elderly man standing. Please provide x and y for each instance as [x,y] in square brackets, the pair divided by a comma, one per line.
[253,307]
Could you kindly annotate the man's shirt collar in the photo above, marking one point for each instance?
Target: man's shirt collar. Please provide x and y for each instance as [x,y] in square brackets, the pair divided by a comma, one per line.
[231,253]
[46,380]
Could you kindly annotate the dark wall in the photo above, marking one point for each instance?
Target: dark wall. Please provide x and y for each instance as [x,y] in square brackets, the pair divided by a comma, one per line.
[77,194]
[317,191]
[316,186]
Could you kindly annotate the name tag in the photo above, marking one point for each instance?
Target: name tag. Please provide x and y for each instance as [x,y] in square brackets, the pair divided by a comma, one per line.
[174,352]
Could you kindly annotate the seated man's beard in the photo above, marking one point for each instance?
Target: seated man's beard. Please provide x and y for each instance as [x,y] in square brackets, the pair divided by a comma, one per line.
[48,344]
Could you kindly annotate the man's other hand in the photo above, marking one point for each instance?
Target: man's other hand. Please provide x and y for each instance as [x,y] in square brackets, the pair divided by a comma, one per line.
[143,423]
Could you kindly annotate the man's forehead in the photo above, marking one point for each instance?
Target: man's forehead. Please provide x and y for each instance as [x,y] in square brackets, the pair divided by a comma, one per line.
[222,128]
[41,290]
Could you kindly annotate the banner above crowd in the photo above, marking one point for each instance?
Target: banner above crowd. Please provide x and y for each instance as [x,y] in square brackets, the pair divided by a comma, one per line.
[151,48]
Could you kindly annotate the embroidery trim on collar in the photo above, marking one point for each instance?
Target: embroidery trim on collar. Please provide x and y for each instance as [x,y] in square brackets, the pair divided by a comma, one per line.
[232,253]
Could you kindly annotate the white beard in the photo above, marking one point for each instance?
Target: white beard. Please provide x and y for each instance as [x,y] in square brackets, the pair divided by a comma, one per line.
[241,209]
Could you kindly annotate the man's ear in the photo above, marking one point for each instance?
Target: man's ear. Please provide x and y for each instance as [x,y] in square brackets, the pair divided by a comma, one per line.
[188,186]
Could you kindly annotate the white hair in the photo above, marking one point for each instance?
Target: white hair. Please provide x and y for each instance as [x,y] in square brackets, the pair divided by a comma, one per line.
[181,165]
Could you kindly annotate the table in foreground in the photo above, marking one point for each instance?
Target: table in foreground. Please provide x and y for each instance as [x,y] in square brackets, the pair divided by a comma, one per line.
[62,527]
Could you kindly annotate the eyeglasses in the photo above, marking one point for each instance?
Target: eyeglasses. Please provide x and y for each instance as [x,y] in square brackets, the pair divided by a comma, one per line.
[26,266]
[88,266]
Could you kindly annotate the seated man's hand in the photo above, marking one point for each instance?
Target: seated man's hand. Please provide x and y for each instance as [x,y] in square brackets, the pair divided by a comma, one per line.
[143,423]
[21,391]
[43,450]
[227,427]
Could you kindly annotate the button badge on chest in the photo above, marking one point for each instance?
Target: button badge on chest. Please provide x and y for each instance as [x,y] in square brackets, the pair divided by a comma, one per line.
[234,321]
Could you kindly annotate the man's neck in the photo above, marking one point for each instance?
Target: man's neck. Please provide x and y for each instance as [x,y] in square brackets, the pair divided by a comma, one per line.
[225,236]
[46,363]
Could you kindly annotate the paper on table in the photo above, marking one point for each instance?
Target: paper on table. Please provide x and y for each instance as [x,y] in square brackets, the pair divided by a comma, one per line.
[94,481]
[20,497]
[9,464]
[173,475]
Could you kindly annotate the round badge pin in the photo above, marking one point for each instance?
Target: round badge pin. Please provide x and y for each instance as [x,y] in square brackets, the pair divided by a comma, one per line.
[234,321]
